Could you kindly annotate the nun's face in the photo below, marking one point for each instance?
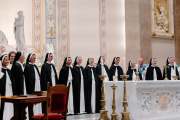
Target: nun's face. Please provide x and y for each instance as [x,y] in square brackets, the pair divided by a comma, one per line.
[22,58]
[69,61]
[171,61]
[154,62]
[33,59]
[174,59]
[91,62]
[133,65]
[95,65]
[5,62]
[79,61]
[117,61]
[104,59]
[50,57]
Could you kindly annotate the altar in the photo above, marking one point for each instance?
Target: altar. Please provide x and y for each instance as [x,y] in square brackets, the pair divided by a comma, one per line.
[147,100]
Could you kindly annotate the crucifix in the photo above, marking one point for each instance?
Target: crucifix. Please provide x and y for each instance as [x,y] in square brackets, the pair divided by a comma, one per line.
[50,8]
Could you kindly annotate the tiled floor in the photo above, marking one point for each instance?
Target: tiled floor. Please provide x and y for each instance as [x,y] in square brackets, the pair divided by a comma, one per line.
[84,117]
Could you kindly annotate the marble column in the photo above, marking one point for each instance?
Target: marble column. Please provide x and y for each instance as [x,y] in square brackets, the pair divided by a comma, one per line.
[176,8]
[145,30]
[132,28]
[138,30]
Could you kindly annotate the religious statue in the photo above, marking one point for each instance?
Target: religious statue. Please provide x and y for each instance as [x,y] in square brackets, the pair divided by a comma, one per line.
[162,23]
[19,33]
[4,43]
[3,39]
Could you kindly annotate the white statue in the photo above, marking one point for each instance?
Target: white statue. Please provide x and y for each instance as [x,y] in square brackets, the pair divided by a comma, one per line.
[19,33]
[3,39]
[162,23]
[3,42]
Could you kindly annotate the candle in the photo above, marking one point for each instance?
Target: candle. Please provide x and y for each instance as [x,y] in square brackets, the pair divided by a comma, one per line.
[175,68]
[113,79]
[124,64]
[136,68]
[101,66]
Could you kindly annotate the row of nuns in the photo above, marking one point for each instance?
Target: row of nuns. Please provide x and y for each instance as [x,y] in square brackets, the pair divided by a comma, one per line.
[85,94]
[153,72]
[85,90]
[22,81]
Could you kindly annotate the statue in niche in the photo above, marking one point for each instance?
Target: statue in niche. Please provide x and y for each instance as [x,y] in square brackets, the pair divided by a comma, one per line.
[162,23]
[4,43]
[19,33]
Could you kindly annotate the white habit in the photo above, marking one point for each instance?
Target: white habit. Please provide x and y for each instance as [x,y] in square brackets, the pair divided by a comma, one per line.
[70,103]
[38,107]
[8,107]
[93,93]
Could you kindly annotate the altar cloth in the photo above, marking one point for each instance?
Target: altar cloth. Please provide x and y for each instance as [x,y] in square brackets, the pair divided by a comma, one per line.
[147,100]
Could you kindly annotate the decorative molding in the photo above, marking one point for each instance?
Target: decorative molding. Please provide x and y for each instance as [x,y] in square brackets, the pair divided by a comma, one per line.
[51,25]
[37,27]
[102,24]
[64,27]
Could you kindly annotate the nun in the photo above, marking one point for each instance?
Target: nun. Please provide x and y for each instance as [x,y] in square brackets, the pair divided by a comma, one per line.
[32,78]
[65,76]
[99,71]
[132,72]
[94,105]
[153,72]
[7,88]
[116,70]
[105,68]
[170,70]
[18,73]
[48,74]
[80,86]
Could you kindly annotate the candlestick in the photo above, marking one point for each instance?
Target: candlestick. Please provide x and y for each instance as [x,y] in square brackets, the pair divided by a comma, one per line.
[113,79]
[125,113]
[103,112]
[165,67]
[102,66]
[114,115]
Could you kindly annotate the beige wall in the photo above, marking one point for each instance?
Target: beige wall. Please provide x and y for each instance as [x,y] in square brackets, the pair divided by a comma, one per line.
[84,29]
[115,11]
[132,30]
[162,49]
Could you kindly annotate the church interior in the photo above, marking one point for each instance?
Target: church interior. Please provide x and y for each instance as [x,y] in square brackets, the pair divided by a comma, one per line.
[90,59]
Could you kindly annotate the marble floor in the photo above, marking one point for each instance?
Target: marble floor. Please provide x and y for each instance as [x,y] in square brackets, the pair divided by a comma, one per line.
[84,117]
